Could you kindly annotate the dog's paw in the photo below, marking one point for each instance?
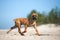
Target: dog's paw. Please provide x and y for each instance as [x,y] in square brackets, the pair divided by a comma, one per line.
[37,34]
[7,32]
[22,34]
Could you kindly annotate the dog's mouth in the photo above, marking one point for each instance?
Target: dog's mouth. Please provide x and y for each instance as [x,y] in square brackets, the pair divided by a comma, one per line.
[34,17]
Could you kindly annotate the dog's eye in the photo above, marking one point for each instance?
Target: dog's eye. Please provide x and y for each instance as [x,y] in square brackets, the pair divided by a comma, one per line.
[34,16]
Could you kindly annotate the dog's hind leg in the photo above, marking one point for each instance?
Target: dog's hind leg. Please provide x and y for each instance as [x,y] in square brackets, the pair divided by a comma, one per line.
[12,28]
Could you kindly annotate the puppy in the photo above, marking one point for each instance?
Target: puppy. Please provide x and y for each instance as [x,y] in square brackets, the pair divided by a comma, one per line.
[25,21]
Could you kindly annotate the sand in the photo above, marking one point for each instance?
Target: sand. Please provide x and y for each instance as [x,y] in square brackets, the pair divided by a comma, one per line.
[47,32]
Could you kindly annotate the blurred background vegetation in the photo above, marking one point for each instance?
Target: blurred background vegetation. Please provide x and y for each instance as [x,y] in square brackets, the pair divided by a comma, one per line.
[52,17]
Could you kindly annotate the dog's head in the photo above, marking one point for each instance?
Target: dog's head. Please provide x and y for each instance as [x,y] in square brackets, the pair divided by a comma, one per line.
[34,16]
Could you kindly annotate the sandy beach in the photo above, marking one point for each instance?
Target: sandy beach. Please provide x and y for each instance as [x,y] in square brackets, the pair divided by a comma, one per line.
[47,32]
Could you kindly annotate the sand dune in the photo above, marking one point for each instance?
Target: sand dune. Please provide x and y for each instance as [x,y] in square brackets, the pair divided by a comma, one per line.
[47,32]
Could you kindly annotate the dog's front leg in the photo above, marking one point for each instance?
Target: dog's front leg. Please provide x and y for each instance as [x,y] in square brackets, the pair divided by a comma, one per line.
[19,29]
[34,25]
[25,30]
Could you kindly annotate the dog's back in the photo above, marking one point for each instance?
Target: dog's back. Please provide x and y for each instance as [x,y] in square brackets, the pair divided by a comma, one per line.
[22,21]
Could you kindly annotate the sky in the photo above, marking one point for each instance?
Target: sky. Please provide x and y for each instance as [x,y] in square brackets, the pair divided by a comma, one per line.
[11,9]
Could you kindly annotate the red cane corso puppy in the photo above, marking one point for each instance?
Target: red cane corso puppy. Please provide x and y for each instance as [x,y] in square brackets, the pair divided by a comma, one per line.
[25,21]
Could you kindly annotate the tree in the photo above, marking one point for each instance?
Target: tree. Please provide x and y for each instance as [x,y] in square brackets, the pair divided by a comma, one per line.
[52,16]
[57,11]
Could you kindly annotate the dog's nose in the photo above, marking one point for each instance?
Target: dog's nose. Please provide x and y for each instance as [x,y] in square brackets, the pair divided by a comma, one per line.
[34,18]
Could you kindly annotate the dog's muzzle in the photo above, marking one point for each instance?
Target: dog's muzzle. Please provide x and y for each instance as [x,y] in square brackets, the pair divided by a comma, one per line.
[34,17]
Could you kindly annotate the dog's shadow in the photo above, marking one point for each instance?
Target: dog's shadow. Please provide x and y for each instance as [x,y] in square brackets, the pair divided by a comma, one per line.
[41,35]
[44,34]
